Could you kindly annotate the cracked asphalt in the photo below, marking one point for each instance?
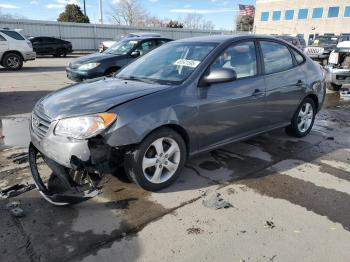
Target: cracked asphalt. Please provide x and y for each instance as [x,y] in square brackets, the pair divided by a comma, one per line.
[289,197]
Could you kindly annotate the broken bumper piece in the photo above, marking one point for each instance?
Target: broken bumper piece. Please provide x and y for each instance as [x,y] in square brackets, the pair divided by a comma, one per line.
[74,194]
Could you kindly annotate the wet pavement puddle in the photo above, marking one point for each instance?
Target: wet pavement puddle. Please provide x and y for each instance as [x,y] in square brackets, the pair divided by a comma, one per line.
[14,132]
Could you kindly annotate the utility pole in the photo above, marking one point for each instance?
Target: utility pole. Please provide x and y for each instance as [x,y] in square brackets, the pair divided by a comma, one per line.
[101,13]
[84,8]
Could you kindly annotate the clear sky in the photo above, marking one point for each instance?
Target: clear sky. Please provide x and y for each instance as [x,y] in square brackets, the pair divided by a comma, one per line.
[220,12]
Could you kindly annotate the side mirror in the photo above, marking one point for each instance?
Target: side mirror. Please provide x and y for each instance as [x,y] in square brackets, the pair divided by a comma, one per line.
[135,54]
[216,76]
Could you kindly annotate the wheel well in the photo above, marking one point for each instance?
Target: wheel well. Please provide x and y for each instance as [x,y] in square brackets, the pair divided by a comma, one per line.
[315,99]
[11,52]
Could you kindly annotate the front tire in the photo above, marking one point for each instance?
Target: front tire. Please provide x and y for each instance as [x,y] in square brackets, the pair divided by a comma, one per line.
[158,161]
[13,61]
[303,119]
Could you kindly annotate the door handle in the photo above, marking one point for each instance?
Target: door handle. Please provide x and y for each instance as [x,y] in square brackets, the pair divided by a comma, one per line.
[258,93]
[300,83]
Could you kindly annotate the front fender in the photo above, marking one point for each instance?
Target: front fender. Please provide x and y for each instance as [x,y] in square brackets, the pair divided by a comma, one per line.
[137,118]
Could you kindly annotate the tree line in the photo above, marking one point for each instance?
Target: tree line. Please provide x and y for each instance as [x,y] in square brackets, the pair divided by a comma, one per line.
[132,13]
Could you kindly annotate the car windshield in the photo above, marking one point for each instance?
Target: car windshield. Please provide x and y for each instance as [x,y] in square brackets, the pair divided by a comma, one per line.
[170,64]
[122,47]
[325,41]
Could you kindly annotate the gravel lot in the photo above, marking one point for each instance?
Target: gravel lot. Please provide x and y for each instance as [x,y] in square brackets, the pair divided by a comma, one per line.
[287,199]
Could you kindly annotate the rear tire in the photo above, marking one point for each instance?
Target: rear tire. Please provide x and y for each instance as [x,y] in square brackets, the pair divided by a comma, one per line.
[333,87]
[13,61]
[60,53]
[157,161]
[303,119]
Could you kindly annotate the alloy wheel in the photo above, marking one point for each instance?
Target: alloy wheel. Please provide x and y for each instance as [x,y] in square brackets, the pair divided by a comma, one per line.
[305,117]
[161,160]
[13,62]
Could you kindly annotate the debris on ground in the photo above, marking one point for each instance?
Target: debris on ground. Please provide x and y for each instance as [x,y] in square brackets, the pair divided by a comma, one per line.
[194,230]
[17,212]
[14,209]
[15,190]
[12,204]
[215,201]
[19,158]
[345,93]
[330,138]
[269,224]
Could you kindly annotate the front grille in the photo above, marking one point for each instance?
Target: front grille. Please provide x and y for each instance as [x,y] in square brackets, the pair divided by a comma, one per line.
[40,123]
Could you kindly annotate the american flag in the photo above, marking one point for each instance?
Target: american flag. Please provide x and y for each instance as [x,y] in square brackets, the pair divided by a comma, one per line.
[248,10]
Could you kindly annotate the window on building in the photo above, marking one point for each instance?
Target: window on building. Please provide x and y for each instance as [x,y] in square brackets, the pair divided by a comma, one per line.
[333,11]
[264,16]
[347,11]
[276,15]
[277,57]
[317,12]
[302,13]
[289,15]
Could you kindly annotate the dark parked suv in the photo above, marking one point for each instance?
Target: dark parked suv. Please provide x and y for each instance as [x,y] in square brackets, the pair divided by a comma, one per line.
[184,98]
[112,59]
[51,46]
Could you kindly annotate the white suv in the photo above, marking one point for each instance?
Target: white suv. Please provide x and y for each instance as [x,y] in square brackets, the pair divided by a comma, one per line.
[14,49]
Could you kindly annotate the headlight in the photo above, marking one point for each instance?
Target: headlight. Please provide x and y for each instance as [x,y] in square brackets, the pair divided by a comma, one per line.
[88,66]
[84,126]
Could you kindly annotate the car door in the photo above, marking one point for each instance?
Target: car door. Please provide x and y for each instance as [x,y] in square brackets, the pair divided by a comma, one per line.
[3,45]
[51,45]
[284,82]
[228,111]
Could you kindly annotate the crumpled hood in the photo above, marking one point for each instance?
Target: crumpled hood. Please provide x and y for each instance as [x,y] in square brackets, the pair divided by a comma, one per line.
[93,97]
[93,58]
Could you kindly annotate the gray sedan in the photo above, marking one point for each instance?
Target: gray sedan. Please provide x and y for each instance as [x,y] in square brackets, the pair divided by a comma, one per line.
[184,98]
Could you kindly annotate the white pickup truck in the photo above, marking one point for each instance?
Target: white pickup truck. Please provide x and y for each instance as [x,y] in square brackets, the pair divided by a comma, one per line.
[14,49]
[338,68]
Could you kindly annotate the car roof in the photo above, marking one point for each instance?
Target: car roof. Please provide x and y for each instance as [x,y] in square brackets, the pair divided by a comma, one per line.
[139,34]
[224,38]
[145,38]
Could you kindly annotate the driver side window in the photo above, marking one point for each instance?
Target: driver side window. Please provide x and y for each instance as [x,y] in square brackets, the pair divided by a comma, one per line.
[146,46]
[239,57]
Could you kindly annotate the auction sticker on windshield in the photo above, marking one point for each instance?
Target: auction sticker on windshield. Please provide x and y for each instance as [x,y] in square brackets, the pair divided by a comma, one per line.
[186,62]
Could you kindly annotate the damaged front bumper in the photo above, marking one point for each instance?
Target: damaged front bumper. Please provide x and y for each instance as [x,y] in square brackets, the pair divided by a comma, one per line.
[337,76]
[63,156]
[76,194]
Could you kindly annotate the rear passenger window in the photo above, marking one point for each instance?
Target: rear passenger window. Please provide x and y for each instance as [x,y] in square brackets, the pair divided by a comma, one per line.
[298,57]
[2,38]
[12,34]
[277,57]
[239,57]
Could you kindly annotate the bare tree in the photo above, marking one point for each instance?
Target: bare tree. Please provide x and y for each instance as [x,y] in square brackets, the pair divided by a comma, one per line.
[128,12]
[10,16]
[196,21]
